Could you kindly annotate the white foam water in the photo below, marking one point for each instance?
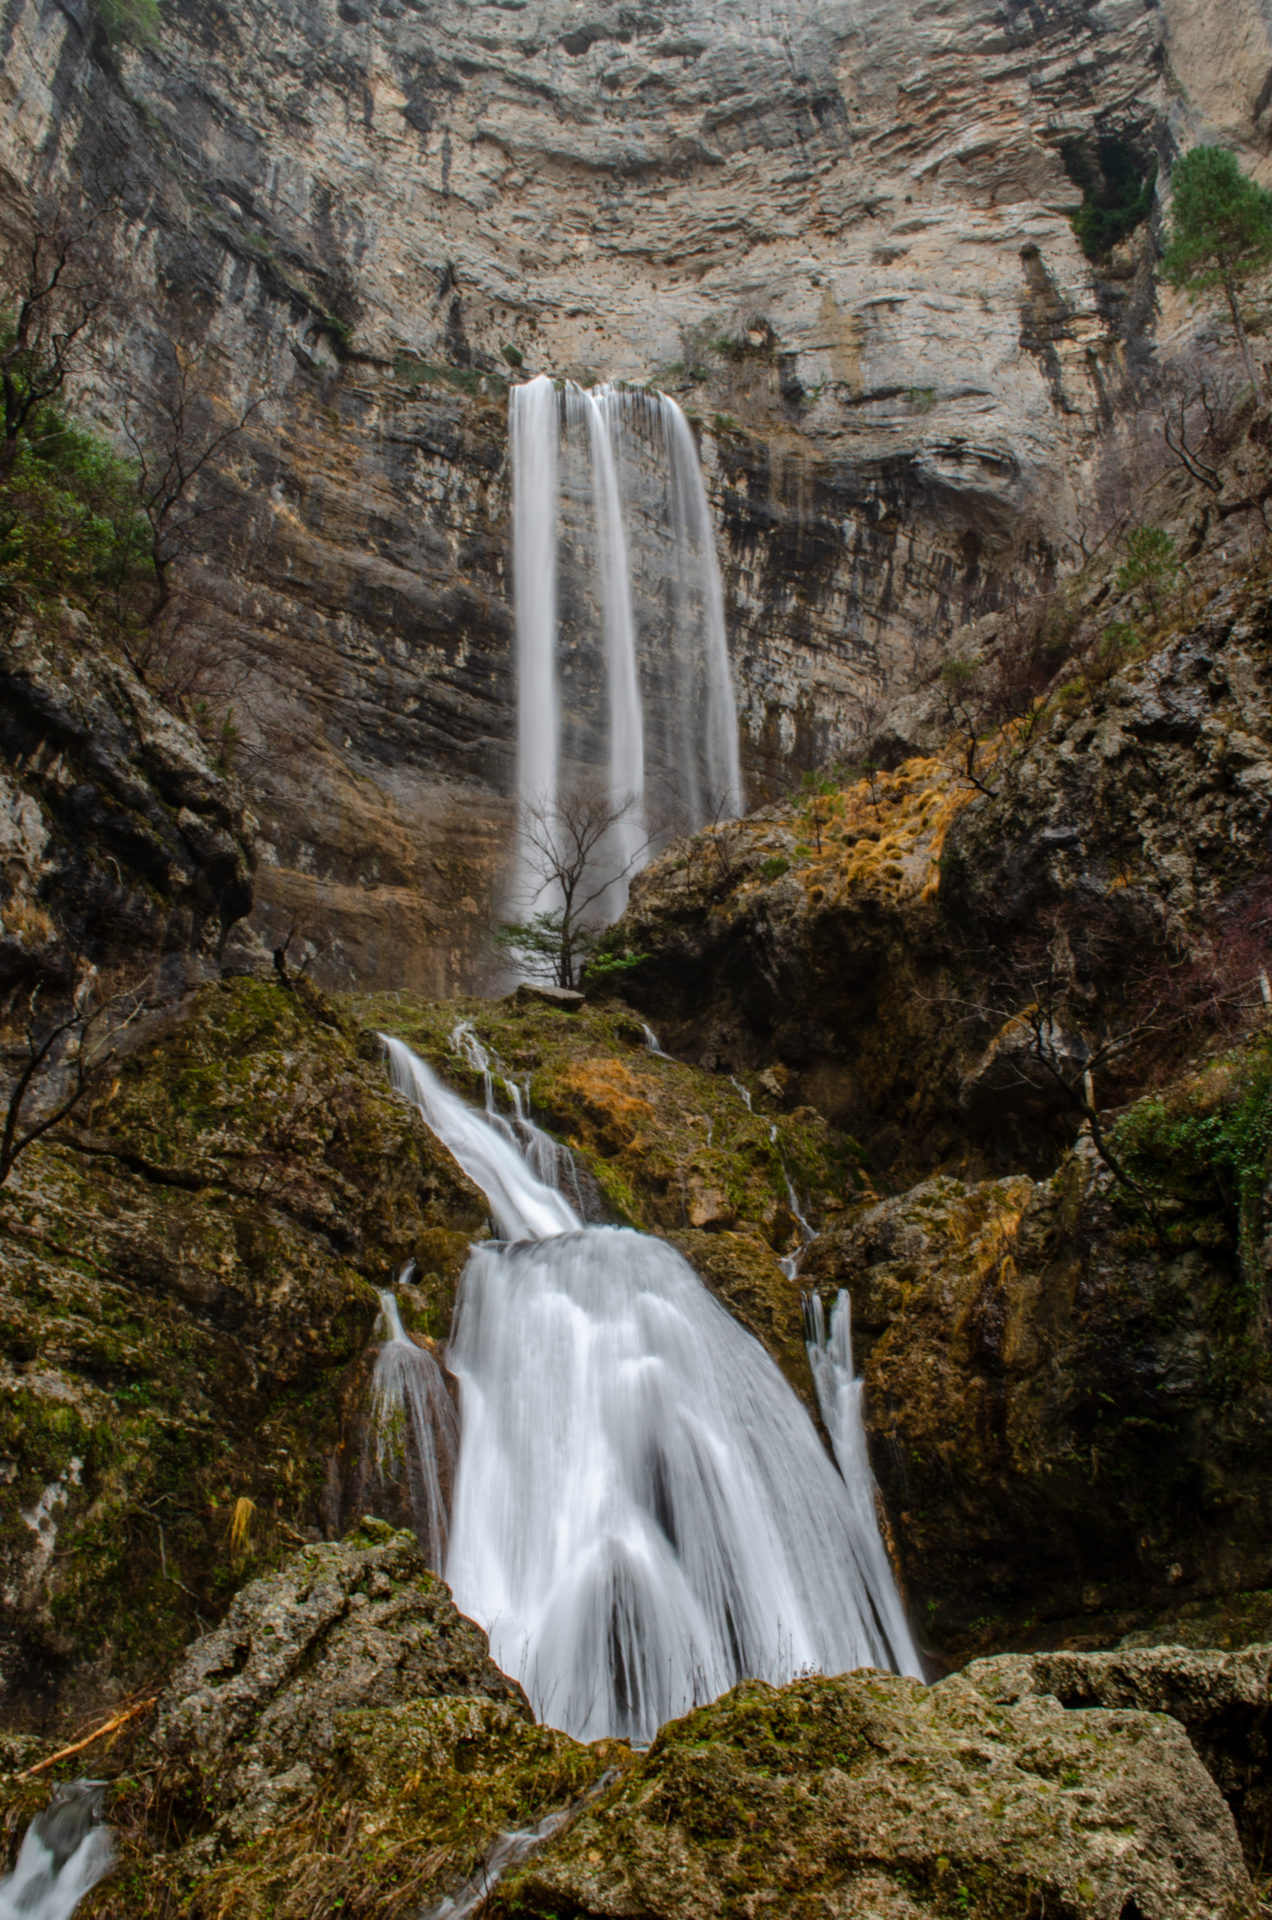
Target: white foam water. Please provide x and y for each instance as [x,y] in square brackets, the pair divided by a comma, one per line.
[643,1513]
[64,1853]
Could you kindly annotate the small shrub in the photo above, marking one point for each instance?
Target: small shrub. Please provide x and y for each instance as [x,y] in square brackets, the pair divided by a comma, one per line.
[133,23]
[514,356]
[1210,1147]
[1151,567]
[774,867]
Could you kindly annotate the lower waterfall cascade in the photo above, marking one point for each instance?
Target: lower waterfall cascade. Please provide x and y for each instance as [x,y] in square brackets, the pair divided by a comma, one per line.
[643,1513]
[623,677]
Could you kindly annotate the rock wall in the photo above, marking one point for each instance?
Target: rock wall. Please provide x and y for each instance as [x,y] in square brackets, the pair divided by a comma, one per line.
[839,232]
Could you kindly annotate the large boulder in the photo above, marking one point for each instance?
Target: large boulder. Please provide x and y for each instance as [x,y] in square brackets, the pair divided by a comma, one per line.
[871,1797]
[253,1707]
[1223,1701]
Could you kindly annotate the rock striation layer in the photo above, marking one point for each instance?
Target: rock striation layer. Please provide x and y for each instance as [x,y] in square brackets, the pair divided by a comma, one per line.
[839,231]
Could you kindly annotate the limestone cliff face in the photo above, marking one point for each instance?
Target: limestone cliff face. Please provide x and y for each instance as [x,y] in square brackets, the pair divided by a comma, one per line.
[838,230]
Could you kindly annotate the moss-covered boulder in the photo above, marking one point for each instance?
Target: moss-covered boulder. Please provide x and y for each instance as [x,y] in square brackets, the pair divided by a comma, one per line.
[187,1270]
[873,1798]
[252,1708]
[341,1745]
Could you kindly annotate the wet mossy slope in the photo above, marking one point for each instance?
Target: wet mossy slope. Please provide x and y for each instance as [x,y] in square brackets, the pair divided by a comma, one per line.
[187,1269]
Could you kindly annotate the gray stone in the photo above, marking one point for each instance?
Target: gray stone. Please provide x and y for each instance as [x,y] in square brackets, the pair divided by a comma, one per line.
[1223,1701]
[564,999]
[355,1624]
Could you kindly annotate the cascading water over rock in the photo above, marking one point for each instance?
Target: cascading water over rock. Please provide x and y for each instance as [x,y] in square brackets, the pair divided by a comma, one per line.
[622,658]
[643,1513]
[412,1436]
[64,1852]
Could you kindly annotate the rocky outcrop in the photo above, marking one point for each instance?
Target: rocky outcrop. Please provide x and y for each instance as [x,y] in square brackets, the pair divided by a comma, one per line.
[121,843]
[878,943]
[1221,1700]
[187,1273]
[1069,1398]
[361,1624]
[872,1796]
[341,1744]
[841,238]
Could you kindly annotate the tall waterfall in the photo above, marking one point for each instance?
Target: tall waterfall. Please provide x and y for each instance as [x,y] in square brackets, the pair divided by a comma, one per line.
[623,682]
[643,1513]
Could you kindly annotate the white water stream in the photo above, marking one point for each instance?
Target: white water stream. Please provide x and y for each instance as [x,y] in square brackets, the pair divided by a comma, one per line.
[623,680]
[643,1512]
[64,1852]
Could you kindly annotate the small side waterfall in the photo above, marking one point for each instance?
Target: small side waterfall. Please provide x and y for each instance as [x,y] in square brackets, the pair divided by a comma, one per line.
[413,1433]
[840,1393]
[623,680]
[65,1851]
[533,433]
[643,1513]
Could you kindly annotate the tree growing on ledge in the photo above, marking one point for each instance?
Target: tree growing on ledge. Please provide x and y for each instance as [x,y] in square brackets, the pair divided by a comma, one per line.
[570,848]
[1221,234]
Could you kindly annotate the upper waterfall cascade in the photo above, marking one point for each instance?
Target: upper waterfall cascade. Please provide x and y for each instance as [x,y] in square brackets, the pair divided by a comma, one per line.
[643,1513]
[623,680]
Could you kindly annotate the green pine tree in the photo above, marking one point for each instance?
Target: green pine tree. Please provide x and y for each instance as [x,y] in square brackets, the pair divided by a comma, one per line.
[1221,233]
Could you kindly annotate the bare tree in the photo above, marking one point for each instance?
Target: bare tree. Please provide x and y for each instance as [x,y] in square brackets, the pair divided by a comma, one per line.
[179,439]
[569,847]
[64,1056]
[55,289]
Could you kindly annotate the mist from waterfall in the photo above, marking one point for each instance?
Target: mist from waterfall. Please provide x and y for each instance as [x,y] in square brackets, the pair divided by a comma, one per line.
[643,1512]
[623,679]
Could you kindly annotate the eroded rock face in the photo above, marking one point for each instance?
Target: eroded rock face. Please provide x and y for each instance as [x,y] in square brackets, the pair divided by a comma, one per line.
[1221,1700]
[872,1797]
[838,236]
[357,1624]
[877,944]
[120,841]
[1068,1417]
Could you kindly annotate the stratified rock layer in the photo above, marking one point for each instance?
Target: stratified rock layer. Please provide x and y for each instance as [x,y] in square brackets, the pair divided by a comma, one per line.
[839,232]
[121,843]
